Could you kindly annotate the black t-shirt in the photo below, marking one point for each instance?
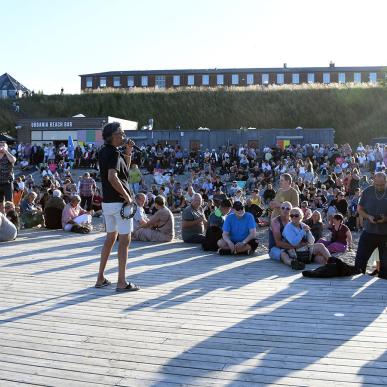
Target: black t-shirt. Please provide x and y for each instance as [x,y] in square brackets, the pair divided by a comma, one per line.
[111,158]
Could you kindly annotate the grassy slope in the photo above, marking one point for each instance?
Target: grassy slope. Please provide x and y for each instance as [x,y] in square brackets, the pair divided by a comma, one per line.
[357,114]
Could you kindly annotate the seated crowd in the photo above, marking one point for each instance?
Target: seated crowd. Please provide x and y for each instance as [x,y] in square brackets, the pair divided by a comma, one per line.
[301,193]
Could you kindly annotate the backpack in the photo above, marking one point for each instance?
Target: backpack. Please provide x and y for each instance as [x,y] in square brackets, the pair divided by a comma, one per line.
[213,234]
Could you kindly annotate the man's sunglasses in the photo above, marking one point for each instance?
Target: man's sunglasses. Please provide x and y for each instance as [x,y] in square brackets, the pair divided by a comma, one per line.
[294,215]
[286,208]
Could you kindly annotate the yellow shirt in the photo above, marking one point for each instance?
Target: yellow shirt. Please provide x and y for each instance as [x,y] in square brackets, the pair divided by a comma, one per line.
[289,195]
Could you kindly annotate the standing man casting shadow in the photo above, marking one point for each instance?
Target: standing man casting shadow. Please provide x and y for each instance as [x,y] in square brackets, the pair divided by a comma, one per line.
[373,208]
[114,169]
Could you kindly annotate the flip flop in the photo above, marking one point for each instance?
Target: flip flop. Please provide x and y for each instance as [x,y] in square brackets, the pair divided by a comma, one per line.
[130,287]
[104,284]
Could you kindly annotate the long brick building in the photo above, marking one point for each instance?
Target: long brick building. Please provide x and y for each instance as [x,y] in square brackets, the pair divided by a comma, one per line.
[231,77]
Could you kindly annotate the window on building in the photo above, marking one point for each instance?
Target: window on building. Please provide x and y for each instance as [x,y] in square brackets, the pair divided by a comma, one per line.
[205,79]
[102,82]
[326,78]
[310,77]
[235,79]
[89,81]
[280,79]
[116,81]
[357,77]
[265,79]
[176,80]
[341,77]
[250,79]
[144,81]
[373,77]
[160,81]
[131,81]
[296,78]
[220,79]
[191,80]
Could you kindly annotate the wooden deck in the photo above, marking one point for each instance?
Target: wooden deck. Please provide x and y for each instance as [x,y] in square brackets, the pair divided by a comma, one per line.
[200,319]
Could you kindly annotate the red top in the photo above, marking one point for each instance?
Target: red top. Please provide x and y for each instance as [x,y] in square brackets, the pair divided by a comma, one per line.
[340,235]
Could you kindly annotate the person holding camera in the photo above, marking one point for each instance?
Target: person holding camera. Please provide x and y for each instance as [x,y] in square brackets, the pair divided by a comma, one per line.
[373,208]
[7,161]
[114,169]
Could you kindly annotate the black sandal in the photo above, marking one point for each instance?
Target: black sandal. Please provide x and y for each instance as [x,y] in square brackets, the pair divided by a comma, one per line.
[130,287]
[104,284]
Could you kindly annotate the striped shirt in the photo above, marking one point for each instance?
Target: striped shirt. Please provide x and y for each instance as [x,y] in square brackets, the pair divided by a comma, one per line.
[86,187]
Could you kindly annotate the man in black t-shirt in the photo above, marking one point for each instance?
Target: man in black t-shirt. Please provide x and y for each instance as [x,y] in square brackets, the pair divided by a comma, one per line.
[114,170]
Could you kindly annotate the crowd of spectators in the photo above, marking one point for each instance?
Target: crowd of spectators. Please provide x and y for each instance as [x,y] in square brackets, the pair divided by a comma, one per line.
[321,185]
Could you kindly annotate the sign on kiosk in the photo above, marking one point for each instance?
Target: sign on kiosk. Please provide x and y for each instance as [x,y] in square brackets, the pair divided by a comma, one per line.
[51,124]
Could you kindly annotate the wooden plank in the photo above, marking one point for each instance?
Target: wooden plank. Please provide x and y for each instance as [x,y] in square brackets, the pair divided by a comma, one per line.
[200,319]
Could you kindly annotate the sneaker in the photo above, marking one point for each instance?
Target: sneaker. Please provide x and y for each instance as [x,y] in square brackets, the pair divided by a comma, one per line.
[224,252]
[297,265]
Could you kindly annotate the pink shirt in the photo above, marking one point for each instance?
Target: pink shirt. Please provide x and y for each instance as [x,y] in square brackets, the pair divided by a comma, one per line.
[70,213]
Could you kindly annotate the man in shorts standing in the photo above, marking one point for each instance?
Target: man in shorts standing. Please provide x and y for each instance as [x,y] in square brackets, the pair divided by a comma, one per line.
[114,168]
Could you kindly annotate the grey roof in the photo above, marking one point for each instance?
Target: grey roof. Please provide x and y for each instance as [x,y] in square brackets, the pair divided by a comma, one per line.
[9,83]
[240,70]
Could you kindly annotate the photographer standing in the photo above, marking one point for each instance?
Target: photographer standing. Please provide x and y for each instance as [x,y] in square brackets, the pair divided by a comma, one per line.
[373,208]
[114,169]
[7,161]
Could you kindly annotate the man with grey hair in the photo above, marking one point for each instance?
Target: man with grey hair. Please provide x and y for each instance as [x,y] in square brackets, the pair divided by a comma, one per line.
[53,210]
[194,222]
[373,208]
[140,218]
[114,165]
[31,213]
[160,227]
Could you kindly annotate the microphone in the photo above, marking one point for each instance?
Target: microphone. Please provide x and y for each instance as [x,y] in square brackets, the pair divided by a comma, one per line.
[134,146]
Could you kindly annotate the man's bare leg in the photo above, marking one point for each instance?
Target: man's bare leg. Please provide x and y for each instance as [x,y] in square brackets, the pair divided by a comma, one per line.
[321,253]
[123,248]
[286,259]
[105,253]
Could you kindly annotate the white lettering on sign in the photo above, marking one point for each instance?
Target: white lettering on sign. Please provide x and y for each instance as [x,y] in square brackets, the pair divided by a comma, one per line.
[51,124]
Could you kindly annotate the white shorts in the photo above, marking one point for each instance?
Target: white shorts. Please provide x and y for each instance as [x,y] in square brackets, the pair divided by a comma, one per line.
[113,220]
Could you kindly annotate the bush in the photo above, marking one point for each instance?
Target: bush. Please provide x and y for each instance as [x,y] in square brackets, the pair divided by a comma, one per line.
[357,113]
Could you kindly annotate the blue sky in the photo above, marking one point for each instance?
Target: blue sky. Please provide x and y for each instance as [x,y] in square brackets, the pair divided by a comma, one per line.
[46,44]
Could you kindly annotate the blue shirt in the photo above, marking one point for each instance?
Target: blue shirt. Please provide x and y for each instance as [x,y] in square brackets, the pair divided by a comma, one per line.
[239,228]
[292,234]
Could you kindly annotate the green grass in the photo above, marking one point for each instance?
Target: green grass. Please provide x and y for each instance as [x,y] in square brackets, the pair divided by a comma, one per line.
[357,113]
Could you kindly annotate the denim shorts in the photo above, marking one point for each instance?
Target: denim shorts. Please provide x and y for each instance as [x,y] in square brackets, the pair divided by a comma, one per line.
[275,253]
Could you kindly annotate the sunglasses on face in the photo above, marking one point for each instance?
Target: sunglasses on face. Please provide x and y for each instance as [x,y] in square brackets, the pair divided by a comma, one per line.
[285,208]
[294,215]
